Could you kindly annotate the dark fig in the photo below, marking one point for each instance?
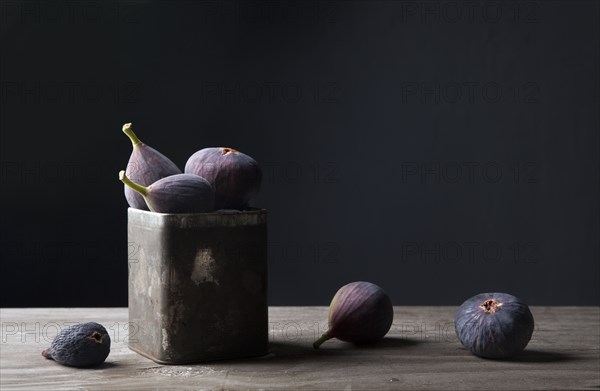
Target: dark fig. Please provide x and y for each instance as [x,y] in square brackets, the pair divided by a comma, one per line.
[181,193]
[235,176]
[80,345]
[360,312]
[146,165]
[494,325]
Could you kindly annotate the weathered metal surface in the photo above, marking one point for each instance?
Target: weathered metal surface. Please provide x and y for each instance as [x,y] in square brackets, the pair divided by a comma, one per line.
[198,285]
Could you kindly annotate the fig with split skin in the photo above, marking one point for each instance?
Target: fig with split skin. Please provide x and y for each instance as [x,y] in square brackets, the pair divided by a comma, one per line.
[146,165]
[494,325]
[180,193]
[80,345]
[360,312]
[235,176]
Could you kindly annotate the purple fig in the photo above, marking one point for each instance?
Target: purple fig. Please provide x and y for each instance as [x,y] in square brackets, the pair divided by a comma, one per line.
[80,345]
[180,193]
[494,325]
[235,176]
[146,165]
[360,312]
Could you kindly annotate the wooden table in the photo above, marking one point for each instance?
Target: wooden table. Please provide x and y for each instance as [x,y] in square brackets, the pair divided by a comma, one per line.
[420,352]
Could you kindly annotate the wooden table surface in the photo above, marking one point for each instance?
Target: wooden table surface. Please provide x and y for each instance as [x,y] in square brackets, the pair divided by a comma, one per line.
[420,352]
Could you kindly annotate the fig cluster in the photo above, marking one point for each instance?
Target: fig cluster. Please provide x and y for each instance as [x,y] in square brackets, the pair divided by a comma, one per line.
[489,325]
[214,178]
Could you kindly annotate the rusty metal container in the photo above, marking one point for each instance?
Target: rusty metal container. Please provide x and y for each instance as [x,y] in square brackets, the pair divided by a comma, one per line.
[197,285]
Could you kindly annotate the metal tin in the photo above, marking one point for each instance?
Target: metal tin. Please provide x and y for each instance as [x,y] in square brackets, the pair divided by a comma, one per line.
[197,285]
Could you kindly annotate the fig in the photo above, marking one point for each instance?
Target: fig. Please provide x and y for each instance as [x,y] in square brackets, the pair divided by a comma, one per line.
[235,176]
[494,325]
[146,165]
[180,193]
[80,345]
[360,312]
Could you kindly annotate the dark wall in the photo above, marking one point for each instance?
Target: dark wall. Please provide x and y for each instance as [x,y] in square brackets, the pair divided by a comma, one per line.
[438,149]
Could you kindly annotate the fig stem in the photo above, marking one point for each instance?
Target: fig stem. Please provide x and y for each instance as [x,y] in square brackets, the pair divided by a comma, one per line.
[320,341]
[139,188]
[129,132]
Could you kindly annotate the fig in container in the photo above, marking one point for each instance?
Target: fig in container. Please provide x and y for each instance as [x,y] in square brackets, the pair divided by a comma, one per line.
[181,193]
[235,176]
[80,345]
[494,325]
[360,312]
[146,165]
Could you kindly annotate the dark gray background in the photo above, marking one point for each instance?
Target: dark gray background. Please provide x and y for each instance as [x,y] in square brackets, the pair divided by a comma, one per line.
[438,149]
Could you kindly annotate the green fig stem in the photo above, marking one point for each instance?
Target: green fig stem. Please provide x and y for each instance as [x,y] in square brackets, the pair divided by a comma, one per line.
[129,132]
[320,341]
[139,188]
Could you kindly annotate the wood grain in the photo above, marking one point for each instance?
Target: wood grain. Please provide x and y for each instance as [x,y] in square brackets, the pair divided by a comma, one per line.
[421,352]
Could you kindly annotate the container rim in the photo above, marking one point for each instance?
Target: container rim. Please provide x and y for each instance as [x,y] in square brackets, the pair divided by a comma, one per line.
[227,218]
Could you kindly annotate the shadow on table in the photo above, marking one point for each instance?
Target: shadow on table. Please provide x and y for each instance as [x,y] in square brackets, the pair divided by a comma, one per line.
[284,351]
[299,351]
[388,342]
[531,356]
[539,356]
[104,365]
